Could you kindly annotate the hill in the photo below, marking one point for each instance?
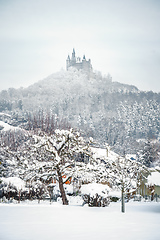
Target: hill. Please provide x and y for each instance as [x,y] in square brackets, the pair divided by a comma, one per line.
[111,112]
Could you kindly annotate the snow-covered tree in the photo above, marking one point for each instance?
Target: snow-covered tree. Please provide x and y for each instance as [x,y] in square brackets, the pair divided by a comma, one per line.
[149,153]
[127,175]
[55,156]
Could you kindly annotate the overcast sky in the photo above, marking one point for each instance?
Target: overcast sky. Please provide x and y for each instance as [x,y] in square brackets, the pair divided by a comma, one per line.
[121,37]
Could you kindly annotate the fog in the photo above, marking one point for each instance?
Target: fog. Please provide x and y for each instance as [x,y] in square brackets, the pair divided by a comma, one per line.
[120,38]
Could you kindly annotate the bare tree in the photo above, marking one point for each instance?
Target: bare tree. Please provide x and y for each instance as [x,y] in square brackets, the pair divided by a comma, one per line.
[61,149]
[127,175]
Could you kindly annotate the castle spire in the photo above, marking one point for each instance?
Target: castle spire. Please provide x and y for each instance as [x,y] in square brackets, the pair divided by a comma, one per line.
[73,54]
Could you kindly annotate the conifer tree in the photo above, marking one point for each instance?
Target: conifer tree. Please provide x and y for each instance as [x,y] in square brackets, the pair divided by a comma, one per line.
[149,153]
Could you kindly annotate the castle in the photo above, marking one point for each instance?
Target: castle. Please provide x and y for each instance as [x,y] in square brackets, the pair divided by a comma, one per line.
[77,63]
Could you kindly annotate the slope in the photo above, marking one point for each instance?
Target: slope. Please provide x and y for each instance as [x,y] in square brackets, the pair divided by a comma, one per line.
[108,111]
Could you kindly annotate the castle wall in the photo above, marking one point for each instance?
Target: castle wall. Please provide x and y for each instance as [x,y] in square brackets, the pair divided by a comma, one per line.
[86,66]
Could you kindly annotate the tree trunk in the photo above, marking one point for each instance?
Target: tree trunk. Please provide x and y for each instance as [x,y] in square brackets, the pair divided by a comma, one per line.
[61,188]
[122,200]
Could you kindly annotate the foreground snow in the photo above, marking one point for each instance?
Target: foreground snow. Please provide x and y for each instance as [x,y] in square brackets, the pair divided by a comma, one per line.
[44,221]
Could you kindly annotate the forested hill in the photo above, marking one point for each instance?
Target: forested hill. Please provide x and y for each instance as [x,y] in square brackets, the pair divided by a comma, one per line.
[111,112]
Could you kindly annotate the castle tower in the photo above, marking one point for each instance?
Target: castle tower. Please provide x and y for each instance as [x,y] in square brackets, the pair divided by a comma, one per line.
[73,53]
[73,59]
[68,61]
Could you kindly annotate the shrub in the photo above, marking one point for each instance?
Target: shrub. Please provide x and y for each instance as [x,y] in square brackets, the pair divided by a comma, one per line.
[96,200]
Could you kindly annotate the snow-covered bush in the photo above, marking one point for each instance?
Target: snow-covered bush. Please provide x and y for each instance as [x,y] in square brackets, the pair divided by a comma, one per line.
[15,188]
[95,195]
[96,200]
[11,188]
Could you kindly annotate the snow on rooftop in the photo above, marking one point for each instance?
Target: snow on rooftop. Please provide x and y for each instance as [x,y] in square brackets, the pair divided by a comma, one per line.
[157,168]
[154,179]
[131,156]
[103,153]
[4,114]
[7,127]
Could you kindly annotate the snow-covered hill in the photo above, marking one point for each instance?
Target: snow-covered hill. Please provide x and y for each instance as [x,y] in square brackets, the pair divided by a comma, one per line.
[108,111]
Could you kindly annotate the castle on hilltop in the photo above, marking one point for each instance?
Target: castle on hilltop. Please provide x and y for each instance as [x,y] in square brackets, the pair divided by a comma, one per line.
[77,63]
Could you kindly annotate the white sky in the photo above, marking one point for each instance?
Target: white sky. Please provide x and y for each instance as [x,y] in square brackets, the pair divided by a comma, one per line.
[121,37]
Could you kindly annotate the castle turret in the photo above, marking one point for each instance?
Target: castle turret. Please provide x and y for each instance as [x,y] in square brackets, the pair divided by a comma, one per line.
[68,62]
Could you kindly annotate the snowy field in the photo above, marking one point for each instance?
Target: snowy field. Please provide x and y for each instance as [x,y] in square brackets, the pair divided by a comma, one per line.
[45,222]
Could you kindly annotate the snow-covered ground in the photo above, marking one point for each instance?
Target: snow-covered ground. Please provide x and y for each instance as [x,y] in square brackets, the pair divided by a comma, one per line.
[44,222]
